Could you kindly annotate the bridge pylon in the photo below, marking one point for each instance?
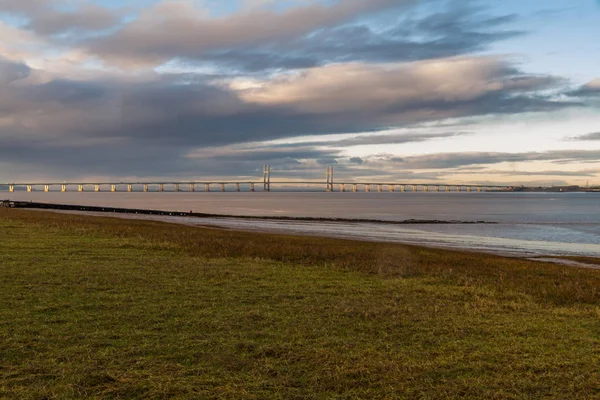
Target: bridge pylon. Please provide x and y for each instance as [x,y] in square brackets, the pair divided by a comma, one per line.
[329,175]
[267,178]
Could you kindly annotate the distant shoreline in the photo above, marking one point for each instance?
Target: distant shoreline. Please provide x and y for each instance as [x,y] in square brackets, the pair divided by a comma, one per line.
[126,213]
[102,209]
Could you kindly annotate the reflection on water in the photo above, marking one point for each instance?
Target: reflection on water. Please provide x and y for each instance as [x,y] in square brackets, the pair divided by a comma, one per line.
[532,223]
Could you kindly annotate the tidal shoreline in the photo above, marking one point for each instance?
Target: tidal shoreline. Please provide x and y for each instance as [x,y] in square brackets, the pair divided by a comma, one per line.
[348,229]
[120,210]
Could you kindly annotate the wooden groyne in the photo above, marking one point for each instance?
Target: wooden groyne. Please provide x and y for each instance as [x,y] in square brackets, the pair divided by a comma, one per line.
[7,204]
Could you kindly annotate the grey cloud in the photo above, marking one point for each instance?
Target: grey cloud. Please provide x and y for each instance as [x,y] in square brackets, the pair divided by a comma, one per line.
[11,71]
[257,40]
[406,92]
[357,160]
[589,136]
[590,89]
[49,17]
[128,158]
[307,36]
[326,161]
[370,139]
[88,18]
[458,30]
[395,139]
[581,173]
[119,127]
[263,153]
[25,7]
[176,30]
[529,183]
[455,160]
[196,113]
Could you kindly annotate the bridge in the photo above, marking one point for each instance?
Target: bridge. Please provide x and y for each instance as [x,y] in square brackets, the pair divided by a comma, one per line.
[237,185]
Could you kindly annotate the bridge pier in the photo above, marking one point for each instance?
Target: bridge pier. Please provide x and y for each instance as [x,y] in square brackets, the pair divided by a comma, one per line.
[342,187]
[367,188]
[379,188]
[207,187]
[161,187]
[469,189]
[130,188]
[392,189]
[146,187]
[113,188]
[96,188]
[447,188]
[354,187]
[437,188]
[192,187]
[237,187]
[402,188]
[426,188]
[479,189]
[415,188]
[177,187]
[46,188]
[458,188]
[80,188]
[252,189]
[63,188]
[29,188]
[222,187]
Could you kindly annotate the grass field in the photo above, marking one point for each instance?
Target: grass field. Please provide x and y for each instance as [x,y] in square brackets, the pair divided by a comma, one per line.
[105,308]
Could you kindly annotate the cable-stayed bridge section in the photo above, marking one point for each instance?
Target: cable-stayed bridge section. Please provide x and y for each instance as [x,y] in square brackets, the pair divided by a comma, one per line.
[264,185]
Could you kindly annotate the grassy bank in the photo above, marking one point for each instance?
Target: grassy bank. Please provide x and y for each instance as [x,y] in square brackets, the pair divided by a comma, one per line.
[105,308]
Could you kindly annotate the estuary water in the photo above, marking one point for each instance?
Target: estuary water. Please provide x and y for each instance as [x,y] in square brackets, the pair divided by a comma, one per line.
[527,224]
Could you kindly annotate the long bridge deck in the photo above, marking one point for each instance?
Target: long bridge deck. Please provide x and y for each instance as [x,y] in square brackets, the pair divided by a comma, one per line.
[266,183]
[252,185]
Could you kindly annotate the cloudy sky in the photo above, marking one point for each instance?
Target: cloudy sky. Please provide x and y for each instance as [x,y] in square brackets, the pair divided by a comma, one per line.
[456,91]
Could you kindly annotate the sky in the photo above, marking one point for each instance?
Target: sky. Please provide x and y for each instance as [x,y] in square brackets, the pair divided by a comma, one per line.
[436,91]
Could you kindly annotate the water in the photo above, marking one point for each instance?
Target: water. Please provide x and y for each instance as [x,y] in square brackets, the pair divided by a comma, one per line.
[527,223]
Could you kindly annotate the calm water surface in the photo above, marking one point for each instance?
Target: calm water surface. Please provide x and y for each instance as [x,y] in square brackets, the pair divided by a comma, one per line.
[528,223]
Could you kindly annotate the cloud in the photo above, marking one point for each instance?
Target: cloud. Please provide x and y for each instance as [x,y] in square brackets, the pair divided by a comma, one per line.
[150,124]
[264,36]
[371,139]
[51,17]
[336,99]
[89,17]
[590,89]
[12,71]
[580,173]
[456,29]
[415,137]
[406,92]
[171,30]
[589,136]
[455,160]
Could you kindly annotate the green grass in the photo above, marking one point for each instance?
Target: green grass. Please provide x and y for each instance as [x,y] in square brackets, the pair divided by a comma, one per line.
[106,308]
